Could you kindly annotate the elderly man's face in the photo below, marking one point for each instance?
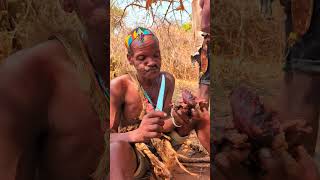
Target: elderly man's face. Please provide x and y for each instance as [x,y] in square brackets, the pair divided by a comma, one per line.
[93,13]
[145,57]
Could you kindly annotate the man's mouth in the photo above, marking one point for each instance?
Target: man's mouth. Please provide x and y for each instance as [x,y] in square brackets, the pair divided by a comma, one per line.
[149,69]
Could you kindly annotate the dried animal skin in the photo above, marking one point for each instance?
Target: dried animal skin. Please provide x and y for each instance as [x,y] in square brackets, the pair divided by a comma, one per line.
[186,159]
[195,146]
[162,169]
[168,154]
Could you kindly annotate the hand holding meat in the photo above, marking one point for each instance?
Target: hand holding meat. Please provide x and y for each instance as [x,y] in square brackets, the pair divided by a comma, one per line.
[190,108]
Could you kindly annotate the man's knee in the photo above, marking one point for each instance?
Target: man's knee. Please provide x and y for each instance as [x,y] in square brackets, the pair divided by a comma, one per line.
[122,153]
[122,158]
[120,146]
[122,150]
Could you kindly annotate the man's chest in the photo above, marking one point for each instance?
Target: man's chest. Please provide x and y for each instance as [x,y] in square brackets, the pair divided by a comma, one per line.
[77,105]
[133,105]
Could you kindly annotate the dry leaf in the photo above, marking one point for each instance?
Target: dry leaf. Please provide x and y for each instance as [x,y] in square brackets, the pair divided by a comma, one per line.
[149,2]
[181,7]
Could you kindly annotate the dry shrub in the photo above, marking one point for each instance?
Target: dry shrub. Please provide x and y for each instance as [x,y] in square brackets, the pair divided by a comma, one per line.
[25,23]
[175,46]
[248,49]
[241,31]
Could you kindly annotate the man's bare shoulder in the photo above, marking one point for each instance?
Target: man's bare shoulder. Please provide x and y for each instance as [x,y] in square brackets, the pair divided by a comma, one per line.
[43,56]
[35,67]
[119,85]
[120,81]
[169,77]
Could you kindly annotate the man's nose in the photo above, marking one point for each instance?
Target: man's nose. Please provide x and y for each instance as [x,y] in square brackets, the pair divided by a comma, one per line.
[151,61]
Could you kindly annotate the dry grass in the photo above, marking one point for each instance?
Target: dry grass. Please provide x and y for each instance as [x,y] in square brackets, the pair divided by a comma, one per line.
[240,31]
[25,23]
[248,50]
[243,38]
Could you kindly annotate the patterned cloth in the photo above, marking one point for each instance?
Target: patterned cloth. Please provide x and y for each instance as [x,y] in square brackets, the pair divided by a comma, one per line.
[139,33]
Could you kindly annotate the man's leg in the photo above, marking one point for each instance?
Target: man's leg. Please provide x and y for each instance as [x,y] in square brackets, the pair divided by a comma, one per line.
[123,161]
[300,100]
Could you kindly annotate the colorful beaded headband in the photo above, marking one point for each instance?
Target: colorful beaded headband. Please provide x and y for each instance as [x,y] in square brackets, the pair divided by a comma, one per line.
[139,32]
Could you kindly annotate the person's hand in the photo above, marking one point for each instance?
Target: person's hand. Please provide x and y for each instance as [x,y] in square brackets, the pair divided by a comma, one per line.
[151,126]
[181,117]
[284,166]
[200,114]
[229,167]
[182,121]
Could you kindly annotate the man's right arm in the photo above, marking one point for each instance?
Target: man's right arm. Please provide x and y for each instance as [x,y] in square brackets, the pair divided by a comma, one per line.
[117,94]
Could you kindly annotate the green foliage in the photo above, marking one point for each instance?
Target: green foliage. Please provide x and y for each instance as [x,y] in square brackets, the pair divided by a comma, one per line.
[187,26]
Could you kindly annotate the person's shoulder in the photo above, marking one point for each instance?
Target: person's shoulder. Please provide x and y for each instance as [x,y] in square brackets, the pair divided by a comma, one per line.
[31,66]
[120,83]
[120,80]
[169,77]
[42,55]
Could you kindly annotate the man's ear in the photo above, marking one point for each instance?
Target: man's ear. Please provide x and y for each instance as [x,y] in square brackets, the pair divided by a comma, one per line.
[67,5]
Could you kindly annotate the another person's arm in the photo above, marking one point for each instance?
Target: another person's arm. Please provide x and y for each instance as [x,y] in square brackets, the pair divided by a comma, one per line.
[205,15]
[202,116]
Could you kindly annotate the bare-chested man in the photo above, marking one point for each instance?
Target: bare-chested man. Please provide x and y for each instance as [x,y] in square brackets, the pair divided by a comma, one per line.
[50,124]
[126,105]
